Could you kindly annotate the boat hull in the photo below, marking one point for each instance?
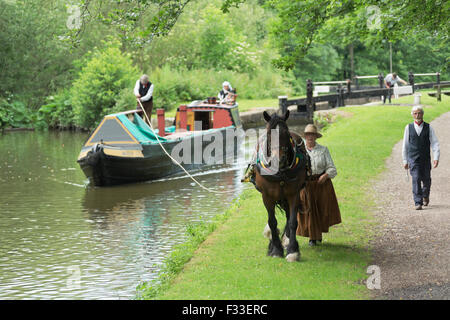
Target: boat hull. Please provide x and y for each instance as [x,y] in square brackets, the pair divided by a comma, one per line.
[103,169]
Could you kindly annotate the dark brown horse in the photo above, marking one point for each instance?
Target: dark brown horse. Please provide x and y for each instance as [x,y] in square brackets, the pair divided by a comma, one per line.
[280,175]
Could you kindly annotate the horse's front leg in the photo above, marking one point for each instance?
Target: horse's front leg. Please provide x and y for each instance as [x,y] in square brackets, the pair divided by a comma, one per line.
[275,247]
[293,251]
[286,233]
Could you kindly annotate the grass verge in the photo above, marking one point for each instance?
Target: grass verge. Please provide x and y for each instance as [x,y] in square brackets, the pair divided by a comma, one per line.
[231,262]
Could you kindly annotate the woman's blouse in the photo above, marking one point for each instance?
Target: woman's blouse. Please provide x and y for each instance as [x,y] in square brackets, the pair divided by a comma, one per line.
[321,161]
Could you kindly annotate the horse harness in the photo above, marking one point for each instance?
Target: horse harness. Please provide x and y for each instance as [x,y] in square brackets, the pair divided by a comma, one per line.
[299,162]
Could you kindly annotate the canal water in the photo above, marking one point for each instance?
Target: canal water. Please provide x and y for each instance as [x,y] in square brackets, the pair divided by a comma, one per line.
[63,239]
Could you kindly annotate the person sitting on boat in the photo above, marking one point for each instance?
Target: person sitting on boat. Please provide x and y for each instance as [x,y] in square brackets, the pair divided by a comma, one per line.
[227,95]
[143,90]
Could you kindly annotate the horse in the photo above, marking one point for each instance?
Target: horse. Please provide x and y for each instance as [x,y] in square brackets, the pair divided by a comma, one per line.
[279,177]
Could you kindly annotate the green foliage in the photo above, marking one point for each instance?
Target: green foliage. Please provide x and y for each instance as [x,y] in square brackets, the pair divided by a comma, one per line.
[14,114]
[321,63]
[33,59]
[126,100]
[45,64]
[58,112]
[347,21]
[206,38]
[174,86]
[221,47]
[322,121]
[101,81]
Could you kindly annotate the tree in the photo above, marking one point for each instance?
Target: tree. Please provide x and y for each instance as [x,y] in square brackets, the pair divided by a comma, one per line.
[32,58]
[300,23]
[107,72]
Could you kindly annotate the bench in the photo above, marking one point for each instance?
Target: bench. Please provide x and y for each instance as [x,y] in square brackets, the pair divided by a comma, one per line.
[434,94]
[438,92]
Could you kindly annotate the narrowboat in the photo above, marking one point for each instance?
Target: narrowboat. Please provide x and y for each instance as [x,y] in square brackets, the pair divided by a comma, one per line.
[125,149]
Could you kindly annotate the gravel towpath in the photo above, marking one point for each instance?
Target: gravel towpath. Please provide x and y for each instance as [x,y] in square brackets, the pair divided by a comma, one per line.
[412,247]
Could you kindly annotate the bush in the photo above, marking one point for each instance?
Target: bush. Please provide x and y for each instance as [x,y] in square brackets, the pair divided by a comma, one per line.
[173,87]
[126,100]
[15,114]
[101,81]
[58,112]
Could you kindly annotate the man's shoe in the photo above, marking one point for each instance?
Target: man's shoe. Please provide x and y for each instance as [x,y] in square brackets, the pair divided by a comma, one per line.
[419,207]
[426,201]
[312,243]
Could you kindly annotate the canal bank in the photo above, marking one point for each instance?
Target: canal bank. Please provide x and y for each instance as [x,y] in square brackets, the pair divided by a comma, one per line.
[232,264]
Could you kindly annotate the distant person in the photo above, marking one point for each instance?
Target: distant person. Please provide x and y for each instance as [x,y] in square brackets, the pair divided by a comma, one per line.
[143,90]
[227,95]
[418,137]
[320,209]
[389,82]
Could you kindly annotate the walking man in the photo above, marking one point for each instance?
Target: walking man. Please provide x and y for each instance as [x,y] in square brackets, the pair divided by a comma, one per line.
[419,136]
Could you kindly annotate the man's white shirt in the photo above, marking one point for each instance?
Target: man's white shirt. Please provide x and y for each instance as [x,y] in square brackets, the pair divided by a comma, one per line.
[147,96]
[390,78]
[434,143]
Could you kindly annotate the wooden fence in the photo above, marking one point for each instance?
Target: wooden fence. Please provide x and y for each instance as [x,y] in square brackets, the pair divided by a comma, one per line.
[336,92]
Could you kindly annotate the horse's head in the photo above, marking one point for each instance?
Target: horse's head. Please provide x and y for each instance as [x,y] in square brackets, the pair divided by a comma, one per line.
[279,146]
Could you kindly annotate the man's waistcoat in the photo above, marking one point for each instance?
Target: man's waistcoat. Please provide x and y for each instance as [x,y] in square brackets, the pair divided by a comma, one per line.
[419,146]
[143,90]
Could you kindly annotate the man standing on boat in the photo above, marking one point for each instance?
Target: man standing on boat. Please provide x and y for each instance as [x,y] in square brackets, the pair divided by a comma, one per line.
[143,90]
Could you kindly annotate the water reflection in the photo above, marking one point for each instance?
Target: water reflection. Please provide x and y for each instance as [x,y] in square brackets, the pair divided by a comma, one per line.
[142,222]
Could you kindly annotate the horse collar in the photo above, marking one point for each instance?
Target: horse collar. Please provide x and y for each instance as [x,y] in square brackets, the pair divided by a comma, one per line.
[288,174]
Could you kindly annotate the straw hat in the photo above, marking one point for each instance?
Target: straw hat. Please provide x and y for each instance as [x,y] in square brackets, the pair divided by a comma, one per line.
[310,128]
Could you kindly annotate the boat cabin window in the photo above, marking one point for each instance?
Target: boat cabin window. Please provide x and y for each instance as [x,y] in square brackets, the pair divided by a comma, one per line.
[197,119]
[203,120]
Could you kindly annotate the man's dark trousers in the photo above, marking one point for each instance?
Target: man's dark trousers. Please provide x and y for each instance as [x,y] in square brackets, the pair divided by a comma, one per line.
[389,94]
[421,181]
[419,162]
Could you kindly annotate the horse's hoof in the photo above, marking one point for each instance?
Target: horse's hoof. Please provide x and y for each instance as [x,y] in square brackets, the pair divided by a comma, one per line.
[275,252]
[285,241]
[292,257]
[276,255]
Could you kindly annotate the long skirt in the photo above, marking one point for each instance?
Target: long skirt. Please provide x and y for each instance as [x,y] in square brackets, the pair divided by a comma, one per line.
[319,209]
